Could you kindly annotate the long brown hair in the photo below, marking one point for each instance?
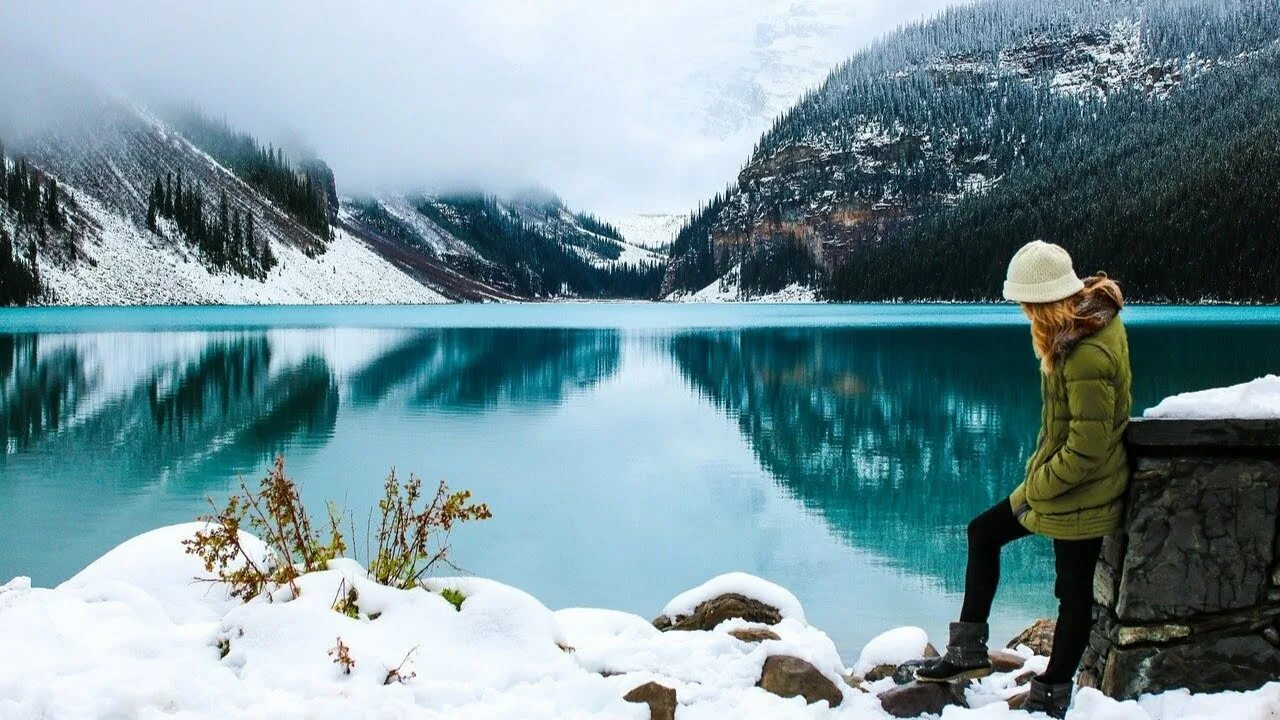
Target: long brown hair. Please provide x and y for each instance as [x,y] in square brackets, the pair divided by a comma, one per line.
[1057,326]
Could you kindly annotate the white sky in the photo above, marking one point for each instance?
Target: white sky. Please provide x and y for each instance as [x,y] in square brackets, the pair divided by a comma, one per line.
[618,106]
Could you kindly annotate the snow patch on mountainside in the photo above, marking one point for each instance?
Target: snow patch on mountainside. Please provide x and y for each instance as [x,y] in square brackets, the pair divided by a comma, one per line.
[431,234]
[740,88]
[128,265]
[649,230]
[729,289]
[632,254]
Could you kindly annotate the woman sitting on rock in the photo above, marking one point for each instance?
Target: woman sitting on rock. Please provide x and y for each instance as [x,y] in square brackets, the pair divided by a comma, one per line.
[1076,479]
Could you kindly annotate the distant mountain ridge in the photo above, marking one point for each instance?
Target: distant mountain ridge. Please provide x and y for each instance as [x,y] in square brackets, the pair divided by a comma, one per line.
[528,246]
[1136,133]
[107,165]
[184,209]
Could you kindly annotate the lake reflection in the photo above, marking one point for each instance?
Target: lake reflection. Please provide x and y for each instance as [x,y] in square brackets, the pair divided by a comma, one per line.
[625,458]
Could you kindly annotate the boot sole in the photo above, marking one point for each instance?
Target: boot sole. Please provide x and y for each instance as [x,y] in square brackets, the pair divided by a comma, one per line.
[966,675]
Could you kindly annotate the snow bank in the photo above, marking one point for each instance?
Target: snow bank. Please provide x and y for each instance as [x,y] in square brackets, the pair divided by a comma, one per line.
[1255,399]
[153,571]
[892,647]
[133,637]
[742,584]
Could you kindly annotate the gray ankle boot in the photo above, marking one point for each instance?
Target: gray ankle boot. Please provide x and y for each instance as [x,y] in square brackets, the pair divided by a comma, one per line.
[1052,700]
[965,659]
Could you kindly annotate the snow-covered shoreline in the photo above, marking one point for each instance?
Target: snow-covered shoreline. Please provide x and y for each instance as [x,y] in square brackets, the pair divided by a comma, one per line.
[133,635]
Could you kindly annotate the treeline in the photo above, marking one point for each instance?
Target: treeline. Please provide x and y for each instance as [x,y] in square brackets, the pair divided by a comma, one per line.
[225,237]
[594,224]
[1177,199]
[691,264]
[303,193]
[534,262]
[35,206]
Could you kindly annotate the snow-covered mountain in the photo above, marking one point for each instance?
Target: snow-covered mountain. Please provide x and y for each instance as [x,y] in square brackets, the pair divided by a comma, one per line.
[655,231]
[106,165]
[525,246]
[793,46]
[911,171]
[149,210]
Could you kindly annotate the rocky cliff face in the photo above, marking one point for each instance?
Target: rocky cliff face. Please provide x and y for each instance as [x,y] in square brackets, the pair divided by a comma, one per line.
[936,114]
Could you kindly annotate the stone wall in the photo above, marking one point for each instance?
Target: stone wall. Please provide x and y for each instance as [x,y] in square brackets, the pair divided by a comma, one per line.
[1187,592]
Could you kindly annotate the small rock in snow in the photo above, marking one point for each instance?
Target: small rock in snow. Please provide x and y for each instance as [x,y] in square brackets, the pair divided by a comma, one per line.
[754,635]
[709,614]
[894,647]
[764,593]
[787,676]
[660,699]
[917,698]
[1038,637]
[1005,661]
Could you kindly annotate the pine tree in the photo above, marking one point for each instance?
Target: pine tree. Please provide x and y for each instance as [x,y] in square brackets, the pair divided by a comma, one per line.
[32,264]
[224,248]
[179,213]
[154,201]
[238,254]
[53,205]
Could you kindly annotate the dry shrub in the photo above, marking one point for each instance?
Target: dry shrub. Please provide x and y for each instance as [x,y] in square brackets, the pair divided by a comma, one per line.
[347,600]
[412,539]
[341,655]
[397,673]
[276,515]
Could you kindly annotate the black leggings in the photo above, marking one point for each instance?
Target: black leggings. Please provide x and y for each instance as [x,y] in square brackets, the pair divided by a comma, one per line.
[1074,561]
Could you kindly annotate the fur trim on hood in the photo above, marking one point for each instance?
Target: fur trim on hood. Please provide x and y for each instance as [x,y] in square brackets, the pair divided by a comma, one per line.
[1099,304]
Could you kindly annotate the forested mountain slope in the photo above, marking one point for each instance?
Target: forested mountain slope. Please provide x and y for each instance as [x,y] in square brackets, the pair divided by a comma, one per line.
[1138,134]
[117,205]
[147,217]
[526,246]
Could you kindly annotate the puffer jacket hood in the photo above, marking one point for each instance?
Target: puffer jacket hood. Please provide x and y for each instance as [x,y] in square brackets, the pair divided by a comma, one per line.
[1096,309]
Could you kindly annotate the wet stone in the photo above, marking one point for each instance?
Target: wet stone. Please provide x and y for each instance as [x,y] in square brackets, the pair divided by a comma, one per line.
[917,698]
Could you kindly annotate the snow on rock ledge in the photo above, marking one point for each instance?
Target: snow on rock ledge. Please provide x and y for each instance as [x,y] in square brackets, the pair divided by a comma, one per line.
[1256,399]
[892,647]
[736,583]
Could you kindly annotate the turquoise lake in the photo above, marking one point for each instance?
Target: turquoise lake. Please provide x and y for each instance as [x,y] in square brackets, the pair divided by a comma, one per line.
[628,451]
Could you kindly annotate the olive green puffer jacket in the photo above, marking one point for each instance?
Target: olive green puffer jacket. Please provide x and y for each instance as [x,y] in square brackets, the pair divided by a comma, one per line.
[1076,480]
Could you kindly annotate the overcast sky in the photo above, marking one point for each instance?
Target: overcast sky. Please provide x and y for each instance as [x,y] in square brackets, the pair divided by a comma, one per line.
[644,106]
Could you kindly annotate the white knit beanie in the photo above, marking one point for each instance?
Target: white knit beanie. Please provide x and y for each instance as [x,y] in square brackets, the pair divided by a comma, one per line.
[1041,272]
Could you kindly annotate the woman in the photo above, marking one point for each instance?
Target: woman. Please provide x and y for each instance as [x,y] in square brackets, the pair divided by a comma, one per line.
[1076,479]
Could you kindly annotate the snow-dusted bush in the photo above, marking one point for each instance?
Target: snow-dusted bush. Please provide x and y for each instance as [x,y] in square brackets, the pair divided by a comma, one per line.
[412,538]
[276,514]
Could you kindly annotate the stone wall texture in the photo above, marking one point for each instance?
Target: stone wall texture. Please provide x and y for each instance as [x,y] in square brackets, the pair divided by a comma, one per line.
[1187,593]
